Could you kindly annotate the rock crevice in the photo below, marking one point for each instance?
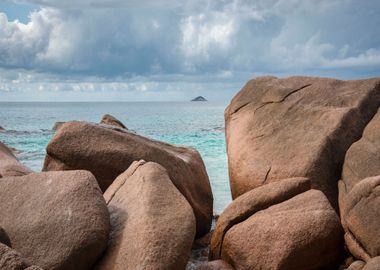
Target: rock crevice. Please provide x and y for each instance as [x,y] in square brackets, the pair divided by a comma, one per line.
[283,98]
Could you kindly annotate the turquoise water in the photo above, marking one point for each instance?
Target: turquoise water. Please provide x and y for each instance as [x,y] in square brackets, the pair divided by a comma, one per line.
[197,124]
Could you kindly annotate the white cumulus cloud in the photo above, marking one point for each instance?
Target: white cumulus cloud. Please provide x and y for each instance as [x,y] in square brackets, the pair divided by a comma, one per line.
[69,42]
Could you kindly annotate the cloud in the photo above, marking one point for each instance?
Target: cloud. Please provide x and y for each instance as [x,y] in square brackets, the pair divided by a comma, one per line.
[204,41]
[101,4]
[26,85]
[368,59]
[104,42]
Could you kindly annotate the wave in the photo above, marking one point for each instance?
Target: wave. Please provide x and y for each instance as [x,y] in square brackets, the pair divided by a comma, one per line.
[30,155]
[27,132]
[219,129]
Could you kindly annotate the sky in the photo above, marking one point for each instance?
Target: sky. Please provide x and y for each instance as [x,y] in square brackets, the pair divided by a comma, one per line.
[164,50]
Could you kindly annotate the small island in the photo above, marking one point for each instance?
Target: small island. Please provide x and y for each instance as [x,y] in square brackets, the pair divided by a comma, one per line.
[200,98]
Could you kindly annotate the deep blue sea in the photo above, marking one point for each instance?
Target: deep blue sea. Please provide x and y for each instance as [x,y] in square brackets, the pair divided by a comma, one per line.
[198,124]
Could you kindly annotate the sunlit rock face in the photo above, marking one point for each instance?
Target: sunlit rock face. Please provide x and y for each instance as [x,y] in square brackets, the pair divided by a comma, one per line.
[296,127]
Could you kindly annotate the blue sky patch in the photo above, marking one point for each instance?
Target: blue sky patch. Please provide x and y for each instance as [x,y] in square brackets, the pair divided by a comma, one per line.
[17,11]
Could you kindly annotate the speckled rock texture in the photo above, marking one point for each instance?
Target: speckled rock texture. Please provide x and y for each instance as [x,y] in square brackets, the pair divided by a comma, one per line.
[108,119]
[108,151]
[251,202]
[9,165]
[301,233]
[56,220]
[359,193]
[296,127]
[152,224]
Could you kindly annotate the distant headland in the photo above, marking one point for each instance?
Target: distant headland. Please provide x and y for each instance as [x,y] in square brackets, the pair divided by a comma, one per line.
[200,98]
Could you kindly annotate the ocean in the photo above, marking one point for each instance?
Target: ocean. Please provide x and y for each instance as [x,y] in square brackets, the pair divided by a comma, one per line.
[28,128]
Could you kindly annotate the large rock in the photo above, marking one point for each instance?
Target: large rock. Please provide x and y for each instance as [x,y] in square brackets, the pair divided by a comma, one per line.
[9,165]
[57,220]
[251,202]
[359,193]
[363,157]
[303,232]
[11,259]
[356,265]
[152,224]
[111,120]
[360,214]
[107,152]
[373,264]
[296,127]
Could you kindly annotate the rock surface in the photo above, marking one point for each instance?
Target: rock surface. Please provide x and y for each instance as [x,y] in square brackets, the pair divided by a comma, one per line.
[108,152]
[360,213]
[9,165]
[152,224]
[57,220]
[363,157]
[57,125]
[11,259]
[251,202]
[215,265]
[111,120]
[373,264]
[356,265]
[359,193]
[293,127]
[301,233]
